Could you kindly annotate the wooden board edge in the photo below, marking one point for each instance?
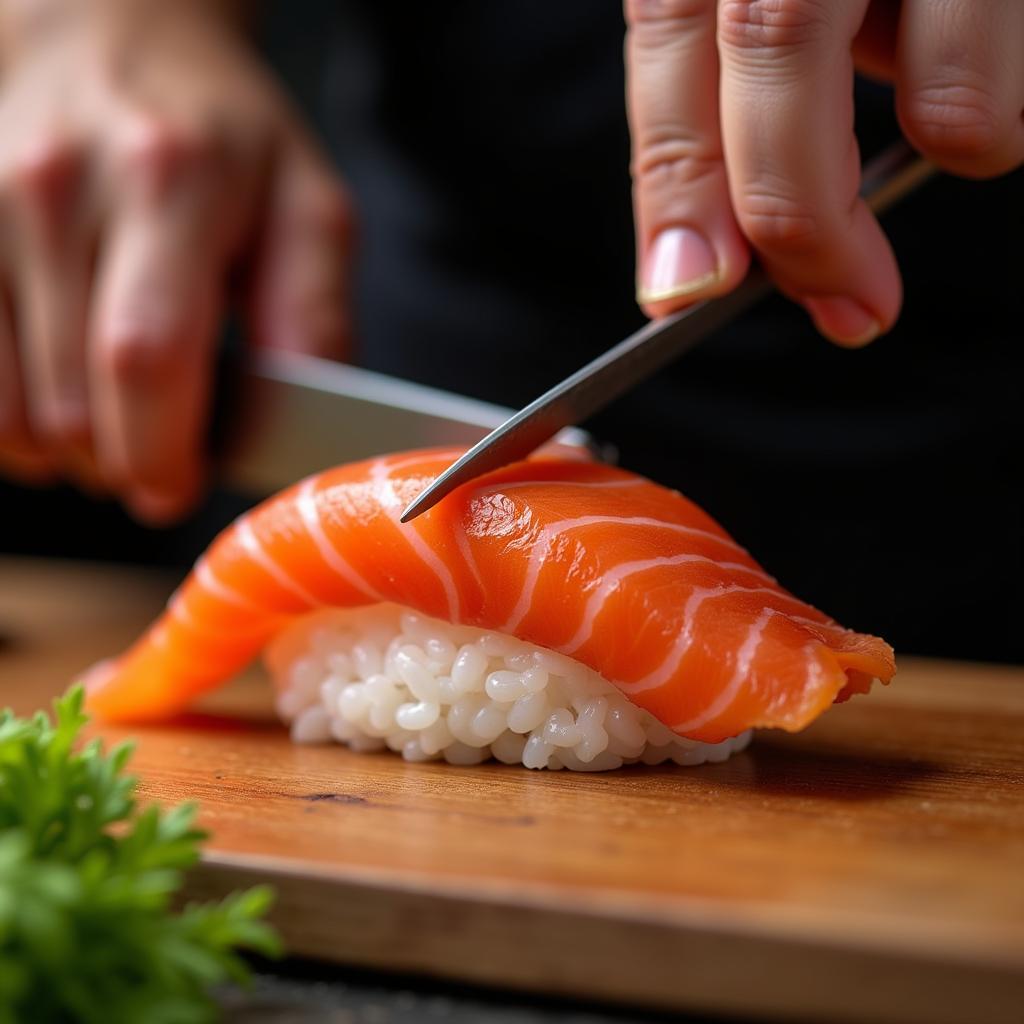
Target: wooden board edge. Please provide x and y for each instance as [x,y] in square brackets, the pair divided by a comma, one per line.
[653,963]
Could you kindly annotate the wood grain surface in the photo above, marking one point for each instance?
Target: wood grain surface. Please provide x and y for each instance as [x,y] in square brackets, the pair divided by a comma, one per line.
[868,869]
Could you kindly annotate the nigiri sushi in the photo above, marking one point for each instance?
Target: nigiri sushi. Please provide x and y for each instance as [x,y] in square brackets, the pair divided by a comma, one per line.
[556,613]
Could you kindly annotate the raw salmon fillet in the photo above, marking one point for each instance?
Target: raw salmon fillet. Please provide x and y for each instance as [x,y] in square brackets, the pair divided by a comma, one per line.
[594,562]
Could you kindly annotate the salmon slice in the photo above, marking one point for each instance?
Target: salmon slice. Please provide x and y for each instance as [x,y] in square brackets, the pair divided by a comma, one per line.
[594,562]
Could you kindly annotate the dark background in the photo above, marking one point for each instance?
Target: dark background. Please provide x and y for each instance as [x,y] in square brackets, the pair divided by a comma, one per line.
[487,148]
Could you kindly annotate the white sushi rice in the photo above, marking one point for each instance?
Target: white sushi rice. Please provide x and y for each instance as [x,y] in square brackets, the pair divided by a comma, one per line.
[386,677]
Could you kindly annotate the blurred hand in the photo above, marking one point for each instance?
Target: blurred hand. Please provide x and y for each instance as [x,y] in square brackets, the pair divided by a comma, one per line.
[742,120]
[149,170]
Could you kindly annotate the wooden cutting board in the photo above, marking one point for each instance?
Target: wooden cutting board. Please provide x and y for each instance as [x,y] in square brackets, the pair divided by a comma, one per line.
[869,869]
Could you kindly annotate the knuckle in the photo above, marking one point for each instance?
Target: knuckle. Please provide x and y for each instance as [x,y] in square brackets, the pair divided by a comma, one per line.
[42,168]
[137,356]
[772,26]
[669,161]
[953,120]
[158,153]
[776,223]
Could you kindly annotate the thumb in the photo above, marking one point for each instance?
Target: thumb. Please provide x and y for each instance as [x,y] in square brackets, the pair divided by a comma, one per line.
[299,289]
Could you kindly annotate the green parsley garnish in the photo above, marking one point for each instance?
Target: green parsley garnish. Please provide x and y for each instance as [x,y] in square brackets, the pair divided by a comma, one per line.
[87,882]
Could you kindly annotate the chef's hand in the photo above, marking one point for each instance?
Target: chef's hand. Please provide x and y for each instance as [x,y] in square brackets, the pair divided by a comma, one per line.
[149,168]
[742,120]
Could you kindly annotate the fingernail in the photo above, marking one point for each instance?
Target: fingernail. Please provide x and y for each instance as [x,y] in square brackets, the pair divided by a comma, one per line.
[843,320]
[680,262]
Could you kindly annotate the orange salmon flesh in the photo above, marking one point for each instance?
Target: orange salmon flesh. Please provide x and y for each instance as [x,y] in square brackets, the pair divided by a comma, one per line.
[619,573]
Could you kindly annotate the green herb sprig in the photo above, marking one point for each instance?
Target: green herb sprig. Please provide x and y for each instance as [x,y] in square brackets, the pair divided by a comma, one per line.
[87,882]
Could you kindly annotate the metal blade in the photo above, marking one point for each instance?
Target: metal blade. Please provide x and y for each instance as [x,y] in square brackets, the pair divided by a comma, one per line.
[886,179]
[299,415]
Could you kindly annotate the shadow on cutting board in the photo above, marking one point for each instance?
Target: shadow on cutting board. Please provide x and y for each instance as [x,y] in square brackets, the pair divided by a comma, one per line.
[780,769]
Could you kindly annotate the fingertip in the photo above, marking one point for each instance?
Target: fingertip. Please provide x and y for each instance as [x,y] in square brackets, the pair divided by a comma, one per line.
[843,320]
[159,508]
[64,426]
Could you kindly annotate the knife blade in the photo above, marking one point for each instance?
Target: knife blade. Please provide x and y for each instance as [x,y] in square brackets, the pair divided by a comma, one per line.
[294,415]
[885,179]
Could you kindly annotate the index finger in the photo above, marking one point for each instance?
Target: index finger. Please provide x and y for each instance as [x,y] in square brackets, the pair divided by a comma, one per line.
[689,245]
[794,165]
[159,293]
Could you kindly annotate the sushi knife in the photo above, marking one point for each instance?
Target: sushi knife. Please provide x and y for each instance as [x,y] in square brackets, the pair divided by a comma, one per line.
[891,175]
[291,415]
